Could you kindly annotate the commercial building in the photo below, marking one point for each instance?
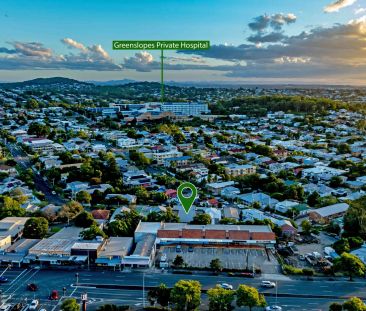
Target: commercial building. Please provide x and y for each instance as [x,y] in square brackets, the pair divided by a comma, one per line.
[328,213]
[243,235]
[186,109]
[13,227]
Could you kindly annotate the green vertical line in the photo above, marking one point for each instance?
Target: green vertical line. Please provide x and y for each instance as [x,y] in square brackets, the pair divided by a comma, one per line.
[162,76]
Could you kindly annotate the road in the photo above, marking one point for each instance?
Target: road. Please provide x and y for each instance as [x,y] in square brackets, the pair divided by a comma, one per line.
[41,185]
[120,288]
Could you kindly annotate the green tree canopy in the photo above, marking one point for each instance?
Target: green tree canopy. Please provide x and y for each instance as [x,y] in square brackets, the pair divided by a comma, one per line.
[355,218]
[350,264]
[354,304]
[83,197]
[84,220]
[70,210]
[186,295]
[178,261]
[70,304]
[202,219]
[92,232]
[160,294]
[216,265]
[247,296]
[35,228]
[220,299]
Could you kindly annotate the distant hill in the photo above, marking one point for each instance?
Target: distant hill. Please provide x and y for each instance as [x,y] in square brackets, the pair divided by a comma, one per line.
[112,82]
[43,82]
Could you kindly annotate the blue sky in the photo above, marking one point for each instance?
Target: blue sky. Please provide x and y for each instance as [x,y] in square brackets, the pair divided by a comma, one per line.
[32,32]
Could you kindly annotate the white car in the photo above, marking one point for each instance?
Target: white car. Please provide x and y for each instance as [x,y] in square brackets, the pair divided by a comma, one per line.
[273,308]
[33,305]
[268,284]
[226,286]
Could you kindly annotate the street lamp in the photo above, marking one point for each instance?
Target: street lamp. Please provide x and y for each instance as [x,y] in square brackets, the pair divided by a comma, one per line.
[77,278]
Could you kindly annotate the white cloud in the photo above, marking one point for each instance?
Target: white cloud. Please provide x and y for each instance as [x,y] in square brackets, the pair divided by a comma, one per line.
[34,55]
[360,11]
[338,5]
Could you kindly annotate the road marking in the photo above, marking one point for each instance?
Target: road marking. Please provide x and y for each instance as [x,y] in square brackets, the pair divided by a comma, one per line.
[18,276]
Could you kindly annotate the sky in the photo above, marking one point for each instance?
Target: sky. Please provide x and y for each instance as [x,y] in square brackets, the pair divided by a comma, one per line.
[252,41]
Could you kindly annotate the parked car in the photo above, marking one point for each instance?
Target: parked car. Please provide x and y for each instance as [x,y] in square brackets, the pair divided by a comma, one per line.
[247,274]
[33,305]
[178,249]
[5,307]
[190,249]
[273,308]
[54,295]
[32,287]
[268,284]
[226,286]
[17,307]
[3,279]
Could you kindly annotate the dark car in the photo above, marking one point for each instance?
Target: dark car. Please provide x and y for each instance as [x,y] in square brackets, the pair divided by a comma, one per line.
[54,295]
[32,287]
[17,307]
[3,279]
[247,274]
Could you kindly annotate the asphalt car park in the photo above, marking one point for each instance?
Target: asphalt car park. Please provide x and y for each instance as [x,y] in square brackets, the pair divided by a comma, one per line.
[231,258]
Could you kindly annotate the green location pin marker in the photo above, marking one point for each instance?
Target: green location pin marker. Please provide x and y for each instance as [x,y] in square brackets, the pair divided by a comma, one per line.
[187,201]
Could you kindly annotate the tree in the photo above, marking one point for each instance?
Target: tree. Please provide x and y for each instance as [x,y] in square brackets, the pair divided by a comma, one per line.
[354,304]
[249,297]
[160,294]
[186,295]
[92,232]
[142,195]
[306,226]
[314,199]
[178,261]
[124,224]
[335,306]
[216,265]
[220,299]
[335,181]
[32,104]
[350,264]
[35,228]
[83,197]
[342,246]
[355,218]
[202,219]
[38,129]
[84,220]
[70,304]
[343,148]
[70,210]
[11,207]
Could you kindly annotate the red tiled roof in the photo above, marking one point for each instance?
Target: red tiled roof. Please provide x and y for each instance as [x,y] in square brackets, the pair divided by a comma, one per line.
[215,234]
[263,236]
[100,214]
[192,233]
[169,234]
[239,235]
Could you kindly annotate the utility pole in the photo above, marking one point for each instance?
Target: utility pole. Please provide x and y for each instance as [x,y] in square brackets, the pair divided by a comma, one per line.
[162,76]
[143,289]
